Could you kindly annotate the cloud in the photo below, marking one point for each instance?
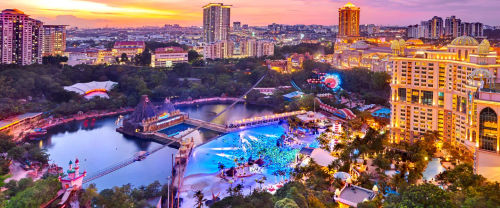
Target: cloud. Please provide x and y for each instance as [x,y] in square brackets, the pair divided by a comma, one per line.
[74,21]
[125,13]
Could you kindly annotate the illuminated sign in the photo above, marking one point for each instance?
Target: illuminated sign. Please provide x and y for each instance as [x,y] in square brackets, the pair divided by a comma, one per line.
[96,90]
[163,116]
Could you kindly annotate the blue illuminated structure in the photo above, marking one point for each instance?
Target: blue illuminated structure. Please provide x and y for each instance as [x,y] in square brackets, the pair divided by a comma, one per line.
[330,80]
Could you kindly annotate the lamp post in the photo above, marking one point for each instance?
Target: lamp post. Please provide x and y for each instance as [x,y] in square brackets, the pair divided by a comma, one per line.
[168,192]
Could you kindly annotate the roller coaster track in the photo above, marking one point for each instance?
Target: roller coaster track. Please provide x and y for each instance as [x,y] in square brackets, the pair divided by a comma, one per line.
[295,85]
[131,160]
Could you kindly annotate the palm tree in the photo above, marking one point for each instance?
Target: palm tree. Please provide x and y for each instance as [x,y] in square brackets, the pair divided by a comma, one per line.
[221,169]
[282,174]
[262,181]
[230,190]
[200,198]
[238,189]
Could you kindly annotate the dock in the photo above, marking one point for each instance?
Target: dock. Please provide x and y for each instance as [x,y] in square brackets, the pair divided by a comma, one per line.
[154,136]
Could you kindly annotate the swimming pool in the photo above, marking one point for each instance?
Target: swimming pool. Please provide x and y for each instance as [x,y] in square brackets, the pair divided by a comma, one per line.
[242,145]
[383,112]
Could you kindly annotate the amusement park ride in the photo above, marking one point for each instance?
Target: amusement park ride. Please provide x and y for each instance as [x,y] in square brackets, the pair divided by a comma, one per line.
[331,81]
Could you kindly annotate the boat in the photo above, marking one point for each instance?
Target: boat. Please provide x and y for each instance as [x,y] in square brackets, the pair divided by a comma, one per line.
[37,132]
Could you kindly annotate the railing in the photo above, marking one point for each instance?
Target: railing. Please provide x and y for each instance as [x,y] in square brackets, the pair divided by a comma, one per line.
[259,120]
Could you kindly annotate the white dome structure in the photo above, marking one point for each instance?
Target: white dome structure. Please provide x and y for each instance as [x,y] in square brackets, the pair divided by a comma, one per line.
[92,89]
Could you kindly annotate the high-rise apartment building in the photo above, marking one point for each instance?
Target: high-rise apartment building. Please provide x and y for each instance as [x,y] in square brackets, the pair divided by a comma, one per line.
[452,26]
[21,38]
[436,27]
[453,92]
[236,26]
[238,49]
[54,40]
[474,29]
[348,21]
[216,22]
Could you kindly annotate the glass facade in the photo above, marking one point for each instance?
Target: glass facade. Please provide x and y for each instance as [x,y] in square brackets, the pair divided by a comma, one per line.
[427,97]
[488,132]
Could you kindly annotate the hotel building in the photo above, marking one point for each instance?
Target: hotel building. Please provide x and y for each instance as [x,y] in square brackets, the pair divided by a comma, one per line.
[167,57]
[131,48]
[452,91]
[216,22]
[238,49]
[348,21]
[54,40]
[21,38]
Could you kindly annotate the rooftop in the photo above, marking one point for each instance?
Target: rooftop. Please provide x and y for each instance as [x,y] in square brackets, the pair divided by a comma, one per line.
[349,4]
[12,11]
[128,44]
[352,195]
[293,94]
[15,119]
[170,50]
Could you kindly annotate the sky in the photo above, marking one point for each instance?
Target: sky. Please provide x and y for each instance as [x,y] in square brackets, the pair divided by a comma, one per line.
[136,13]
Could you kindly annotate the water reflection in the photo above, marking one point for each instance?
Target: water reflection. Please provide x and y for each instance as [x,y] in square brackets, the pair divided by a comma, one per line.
[98,145]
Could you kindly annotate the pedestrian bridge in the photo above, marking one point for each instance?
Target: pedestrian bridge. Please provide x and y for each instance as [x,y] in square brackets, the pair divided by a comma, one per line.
[243,123]
[206,125]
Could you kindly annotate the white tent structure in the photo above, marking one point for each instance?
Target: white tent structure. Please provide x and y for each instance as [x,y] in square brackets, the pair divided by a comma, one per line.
[92,89]
[322,157]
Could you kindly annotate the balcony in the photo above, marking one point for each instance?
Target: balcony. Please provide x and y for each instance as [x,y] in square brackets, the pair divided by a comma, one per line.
[489,95]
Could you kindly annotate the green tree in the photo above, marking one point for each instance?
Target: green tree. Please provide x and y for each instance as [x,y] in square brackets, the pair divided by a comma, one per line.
[193,56]
[116,197]
[88,195]
[200,199]
[286,203]
[424,195]
[42,191]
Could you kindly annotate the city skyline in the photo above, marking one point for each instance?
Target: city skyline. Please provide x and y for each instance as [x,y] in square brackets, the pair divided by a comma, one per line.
[133,13]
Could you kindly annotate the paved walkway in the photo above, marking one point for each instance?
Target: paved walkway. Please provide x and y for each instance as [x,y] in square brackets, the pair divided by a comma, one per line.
[489,165]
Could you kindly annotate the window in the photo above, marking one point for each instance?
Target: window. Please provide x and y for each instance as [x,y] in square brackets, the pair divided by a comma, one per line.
[414,96]
[441,99]
[488,124]
[427,97]
[402,94]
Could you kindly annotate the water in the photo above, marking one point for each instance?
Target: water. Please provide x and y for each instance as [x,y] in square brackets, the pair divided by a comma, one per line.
[97,145]
[433,169]
[250,143]
[239,111]
[383,112]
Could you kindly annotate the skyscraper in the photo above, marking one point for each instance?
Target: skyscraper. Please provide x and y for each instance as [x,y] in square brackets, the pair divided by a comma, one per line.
[436,27]
[216,22]
[348,21]
[54,40]
[21,38]
[452,26]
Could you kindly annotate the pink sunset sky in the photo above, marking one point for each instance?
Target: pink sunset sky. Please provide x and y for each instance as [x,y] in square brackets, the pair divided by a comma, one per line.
[133,13]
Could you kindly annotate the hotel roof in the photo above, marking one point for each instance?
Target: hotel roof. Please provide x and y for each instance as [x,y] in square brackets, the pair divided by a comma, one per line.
[352,195]
[128,44]
[169,50]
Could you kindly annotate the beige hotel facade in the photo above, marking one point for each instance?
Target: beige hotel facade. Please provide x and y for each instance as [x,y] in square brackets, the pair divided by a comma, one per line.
[454,91]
